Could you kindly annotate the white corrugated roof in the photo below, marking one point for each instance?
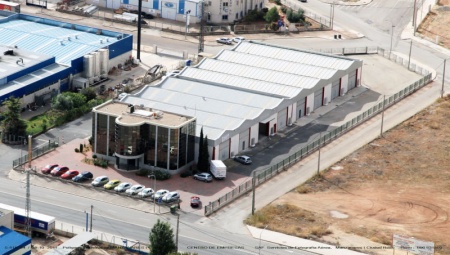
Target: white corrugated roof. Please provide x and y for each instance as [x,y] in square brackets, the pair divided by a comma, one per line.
[278,79]
[238,82]
[216,108]
[276,64]
[292,55]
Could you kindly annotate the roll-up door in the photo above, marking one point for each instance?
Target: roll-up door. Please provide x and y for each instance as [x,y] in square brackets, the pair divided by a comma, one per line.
[318,98]
[281,119]
[301,108]
[224,150]
[243,140]
[335,89]
[352,80]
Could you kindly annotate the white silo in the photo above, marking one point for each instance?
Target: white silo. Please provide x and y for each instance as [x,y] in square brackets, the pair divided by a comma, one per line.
[97,61]
[88,66]
[104,62]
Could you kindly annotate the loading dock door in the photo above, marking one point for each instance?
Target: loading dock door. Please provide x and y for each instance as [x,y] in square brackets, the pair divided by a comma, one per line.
[301,108]
[281,119]
[224,150]
[318,95]
[352,80]
[335,89]
[169,10]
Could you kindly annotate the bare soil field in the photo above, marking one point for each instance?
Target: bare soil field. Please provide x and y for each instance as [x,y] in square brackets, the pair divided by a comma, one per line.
[435,25]
[396,184]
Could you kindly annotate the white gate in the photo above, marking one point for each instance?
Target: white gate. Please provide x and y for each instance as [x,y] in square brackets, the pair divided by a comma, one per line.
[243,140]
[318,98]
[335,89]
[352,80]
[281,119]
[224,150]
[301,108]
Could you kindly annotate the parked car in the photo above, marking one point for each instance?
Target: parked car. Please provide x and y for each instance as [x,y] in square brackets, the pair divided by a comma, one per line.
[146,192]
[303,1]
[111,184]
[205,177]
[243,159]
[100,181]
[135,189]
[195,202]
[48,168]
[84,176]
[238,39]
[70,174]
[171,197]
[58,171]
[122,187]
[160,193]
[224,40]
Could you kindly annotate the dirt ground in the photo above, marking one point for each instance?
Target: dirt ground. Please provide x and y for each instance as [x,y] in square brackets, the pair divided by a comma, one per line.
[396,184]
[435,26]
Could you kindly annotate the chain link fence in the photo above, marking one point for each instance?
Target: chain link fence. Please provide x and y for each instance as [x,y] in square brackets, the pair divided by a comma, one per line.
[36,152]
[275,169]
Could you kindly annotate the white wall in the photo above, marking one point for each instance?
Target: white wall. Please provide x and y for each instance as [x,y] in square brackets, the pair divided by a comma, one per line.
[293,112]
[310,102]
[234,147]
[344,83]
[327,94]
[118,60]
[358,74]
[28,99]
[7,219]
[254,131]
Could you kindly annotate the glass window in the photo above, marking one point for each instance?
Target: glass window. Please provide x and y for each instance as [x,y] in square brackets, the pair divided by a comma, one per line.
[112,136]
[173,149]
[182,146]
[225,4]
[127,140]
[191,141]
[162,147]
[224,17]
[102,125]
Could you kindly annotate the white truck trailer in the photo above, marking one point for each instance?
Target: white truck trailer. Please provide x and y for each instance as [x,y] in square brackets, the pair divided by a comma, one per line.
[218,169]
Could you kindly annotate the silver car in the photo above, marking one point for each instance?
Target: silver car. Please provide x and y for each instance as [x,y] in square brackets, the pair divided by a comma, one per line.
[224,41]
[100,181]
[122,187]
[205,177]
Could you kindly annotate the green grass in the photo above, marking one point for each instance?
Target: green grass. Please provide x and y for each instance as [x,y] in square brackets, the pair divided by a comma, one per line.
[37,124]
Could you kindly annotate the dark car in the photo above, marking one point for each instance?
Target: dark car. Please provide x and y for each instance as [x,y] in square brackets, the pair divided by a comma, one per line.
[48,168]
[70,174]
[58,171]
[84,176]
[195,202]
[243,159]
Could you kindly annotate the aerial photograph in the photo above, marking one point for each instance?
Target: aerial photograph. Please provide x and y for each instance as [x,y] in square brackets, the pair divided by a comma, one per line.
[204,127]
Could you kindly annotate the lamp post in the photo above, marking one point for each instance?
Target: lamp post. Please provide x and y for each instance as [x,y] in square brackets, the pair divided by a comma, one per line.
[392,36]
[409,58]
[260,234]
[443,79]
[187,24]
[382,117]
[154,190]
[318,158]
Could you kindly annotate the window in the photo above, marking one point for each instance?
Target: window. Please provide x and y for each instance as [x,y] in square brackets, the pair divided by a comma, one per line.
[225,4]
[209,16]
[224,17]
[237,15]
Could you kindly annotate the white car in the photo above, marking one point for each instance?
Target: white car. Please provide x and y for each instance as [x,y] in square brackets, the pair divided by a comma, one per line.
[146,192]
[160,193]
[171,196]
[238,39]
[135,189]
[224,40]
[122,187]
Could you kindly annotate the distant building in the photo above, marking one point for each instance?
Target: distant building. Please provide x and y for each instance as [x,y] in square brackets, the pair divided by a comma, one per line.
[240,96]
[217,12]
[40,57]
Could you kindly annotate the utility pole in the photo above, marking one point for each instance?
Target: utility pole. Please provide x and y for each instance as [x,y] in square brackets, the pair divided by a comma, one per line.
[28,205]
[382,117]
[414,21]
[409,58]
[139,30]
[332,15]
[201,38]
[318,158]
[92,208]
[30,151]
[253,190]
[443,79]
[178,231]
[392,36]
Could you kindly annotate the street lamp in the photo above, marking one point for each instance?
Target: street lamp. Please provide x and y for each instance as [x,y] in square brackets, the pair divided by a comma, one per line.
[260,234]
[443,79]
[392,36]
[154,190]
[187,24]
[409,58]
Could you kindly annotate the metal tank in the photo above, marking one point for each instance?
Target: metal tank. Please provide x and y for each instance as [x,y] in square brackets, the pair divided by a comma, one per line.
[97,65]
[104,62]
[88,66]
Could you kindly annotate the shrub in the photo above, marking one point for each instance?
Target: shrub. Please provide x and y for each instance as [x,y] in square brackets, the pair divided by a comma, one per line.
[161,176]
[277,2]
[142,172]
[77,150]
[185,174]
[94,156]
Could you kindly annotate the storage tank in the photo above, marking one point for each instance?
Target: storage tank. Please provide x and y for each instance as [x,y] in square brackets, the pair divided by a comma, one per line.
[104,62]
[97,65]
[88,65]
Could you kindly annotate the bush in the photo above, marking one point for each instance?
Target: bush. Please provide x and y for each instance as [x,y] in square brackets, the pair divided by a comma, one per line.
[77,150]
[277,2]
[94,156]
[185,174]
[142,172]
[254,15]
[161,176]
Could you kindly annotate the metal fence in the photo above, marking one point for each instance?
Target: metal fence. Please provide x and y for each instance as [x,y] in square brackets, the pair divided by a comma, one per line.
[275,169]
[348,51]
[36,152]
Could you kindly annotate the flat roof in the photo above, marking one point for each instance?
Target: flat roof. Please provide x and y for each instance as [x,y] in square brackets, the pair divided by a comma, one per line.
[141,115]
[68,246]
[13,60]
[11,240]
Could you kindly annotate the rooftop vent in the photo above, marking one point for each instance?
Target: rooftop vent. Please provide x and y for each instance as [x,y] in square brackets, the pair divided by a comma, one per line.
[8,53]
[61,42]
[101,40]
[69,39]
[20,60]
[76,36]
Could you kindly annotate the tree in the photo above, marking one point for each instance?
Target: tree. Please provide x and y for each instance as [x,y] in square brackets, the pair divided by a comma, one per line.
[272,15]
[205,156]
[200,148]
[295,17]
[13,124]
[161,239]
[89,93]
[69,100]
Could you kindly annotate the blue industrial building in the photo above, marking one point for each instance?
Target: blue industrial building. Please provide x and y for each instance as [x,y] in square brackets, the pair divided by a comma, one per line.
[12,242]
[40,57]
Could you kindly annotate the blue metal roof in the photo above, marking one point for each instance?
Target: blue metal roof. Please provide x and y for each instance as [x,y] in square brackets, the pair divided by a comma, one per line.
[62,40]
[12,241]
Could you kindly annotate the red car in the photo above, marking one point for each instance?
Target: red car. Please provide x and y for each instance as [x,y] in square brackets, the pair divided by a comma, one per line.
[48,168]
[195,202]
[70,174]
[58,171]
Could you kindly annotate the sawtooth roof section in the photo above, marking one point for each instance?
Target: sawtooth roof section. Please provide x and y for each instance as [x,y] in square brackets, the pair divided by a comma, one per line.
[217,109]
[284,66]
[292,55]
[268,75]
[242,83]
